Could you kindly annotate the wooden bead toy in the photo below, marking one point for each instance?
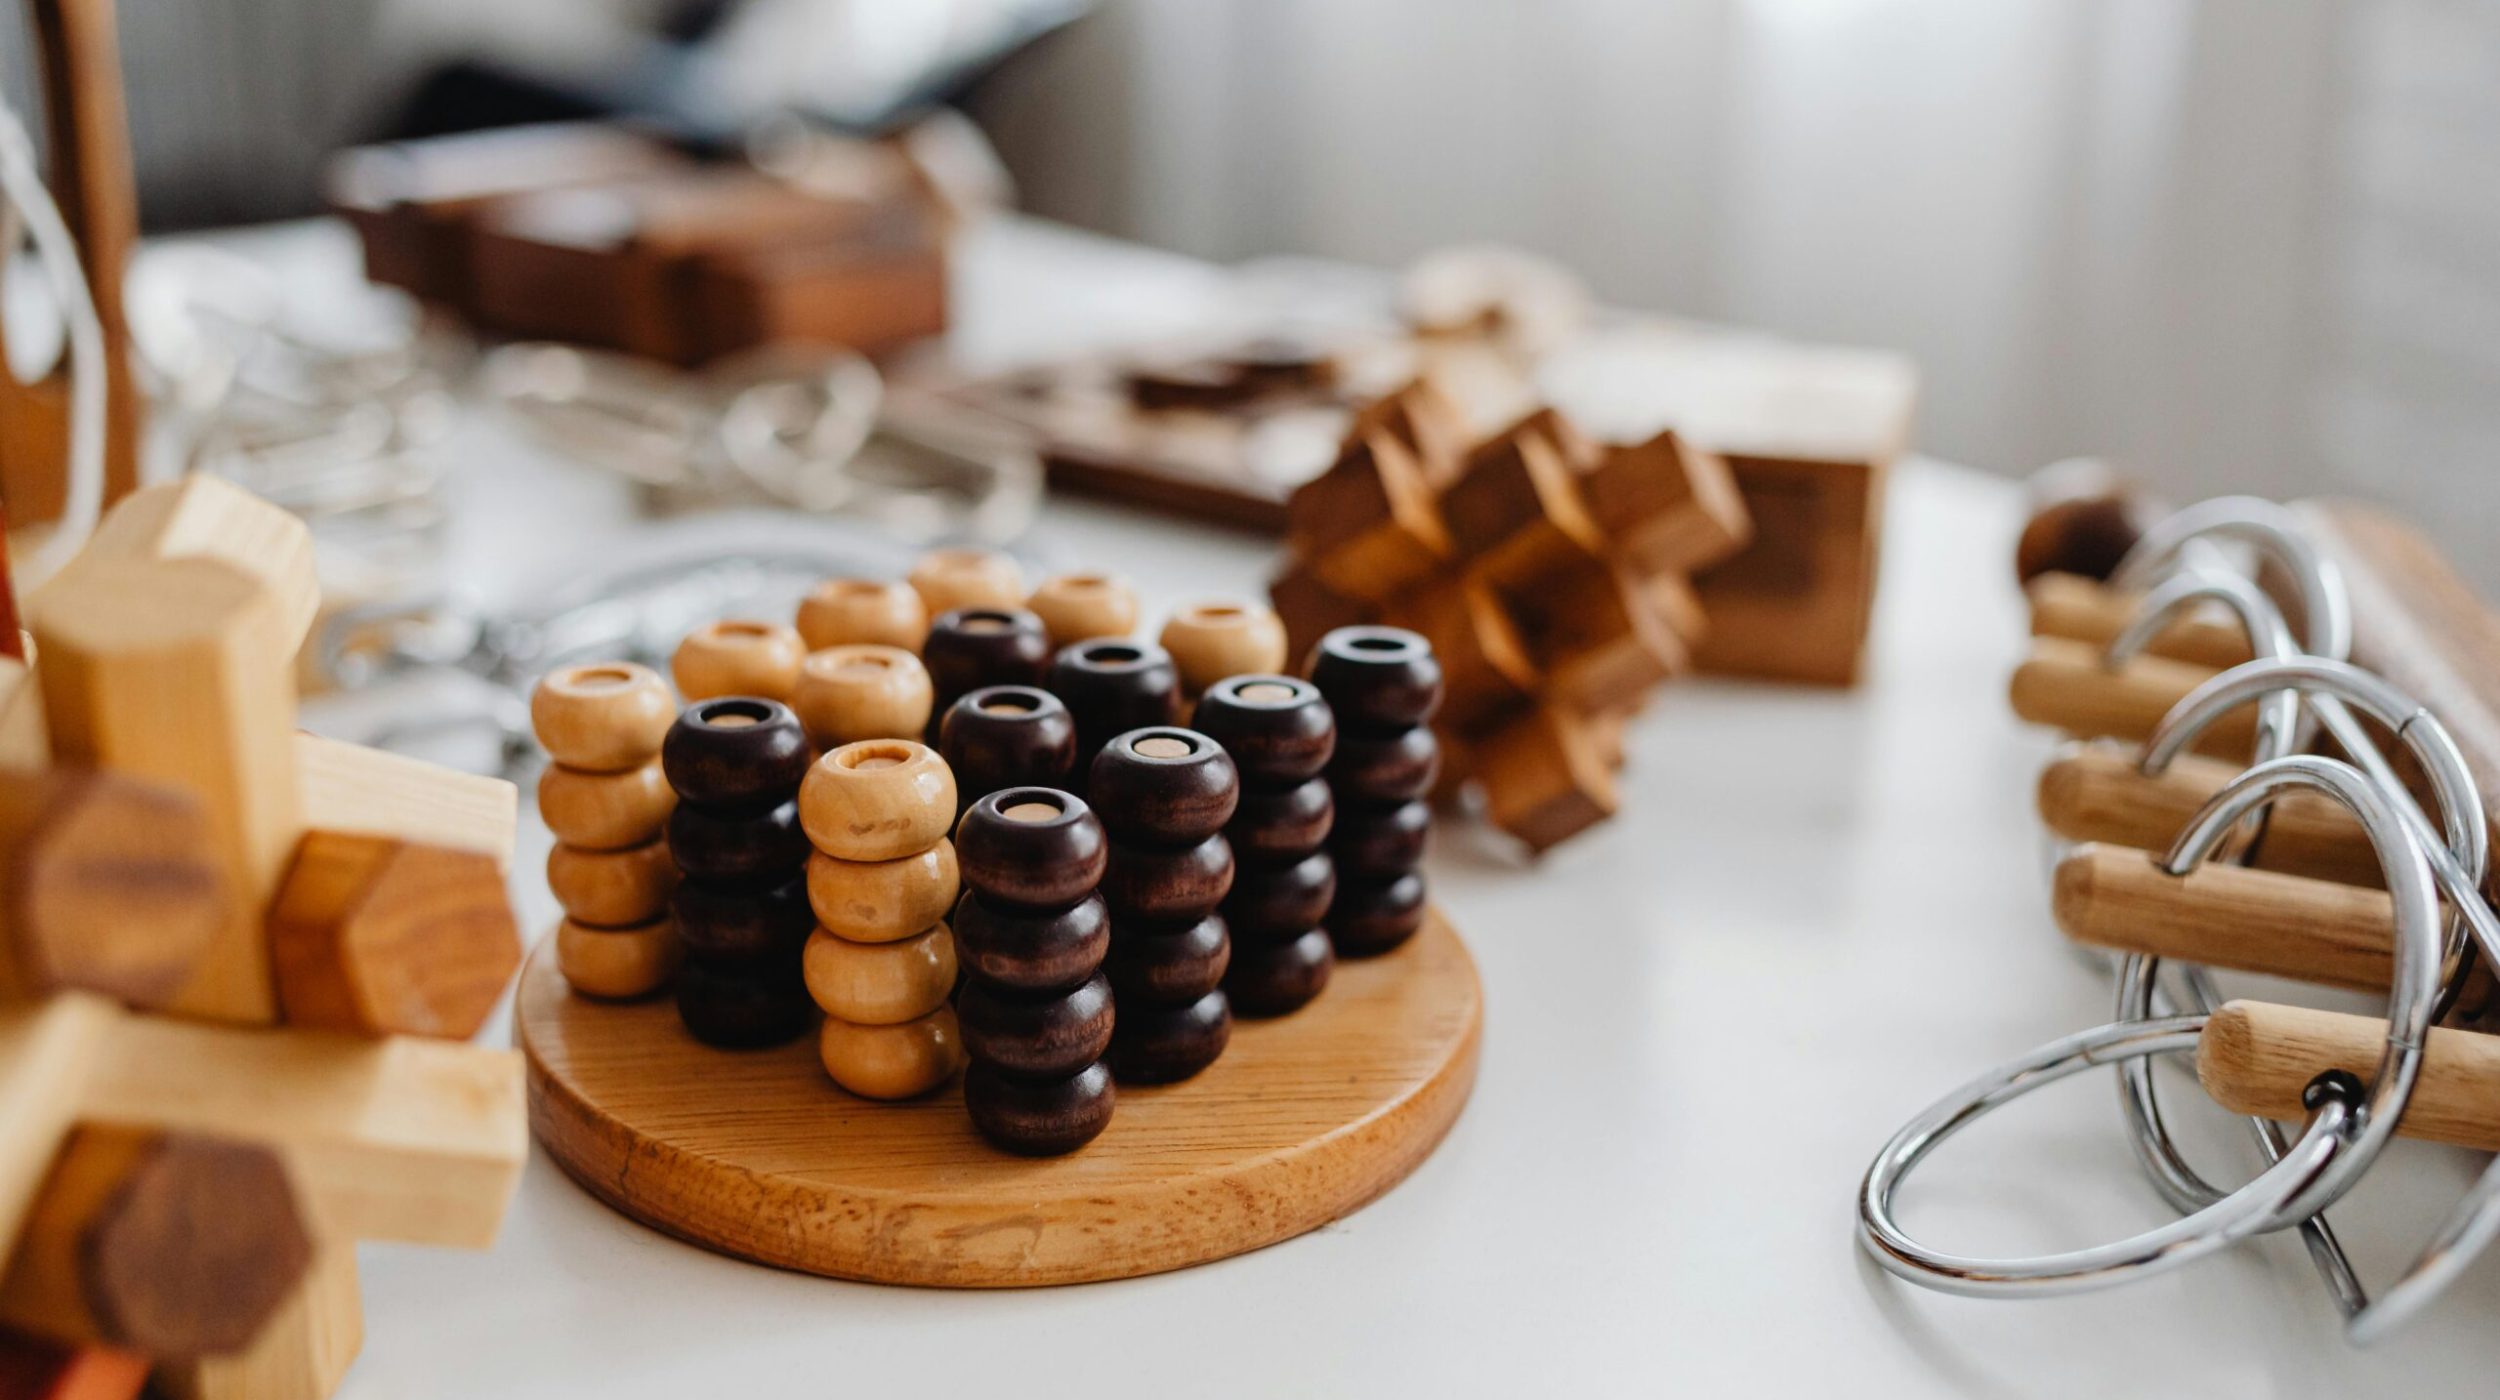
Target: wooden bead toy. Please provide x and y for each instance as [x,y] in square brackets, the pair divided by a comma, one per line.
[1209,641]
[1280,734]
[1031,857]
[948,579]
[844,612]
[605,811]
[738,658]
[901,1061]
[1384,685]
[974,647]
[861,691]
[1080,607]
[618,963]
[878,800]
[604,717]
[1003,736]
[2082,518]
[737,764]
[880,884]
[612,889]
[1164,795]
[1112,686]
[878,901]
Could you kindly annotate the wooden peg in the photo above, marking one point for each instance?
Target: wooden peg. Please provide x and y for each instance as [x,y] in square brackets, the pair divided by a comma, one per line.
[107,883]
[1667,506]
[1368,527]
[33,1369]
[24,741]
[2066,605]
[172,1244]
[302,1354]
[354,790]
[2097,794]
[2065,685]
[2259,1058]
[2226,916]
[373,936]
[1544,779]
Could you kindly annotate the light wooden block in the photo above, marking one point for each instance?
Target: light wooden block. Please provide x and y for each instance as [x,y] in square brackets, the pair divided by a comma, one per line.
[209,518]
[351,789]
[24,741]
[46,1050]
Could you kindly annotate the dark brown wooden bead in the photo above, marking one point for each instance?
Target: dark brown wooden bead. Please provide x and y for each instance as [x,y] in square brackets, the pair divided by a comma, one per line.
[1273,902]
[736,926]
[1381,767]
[969,648]
[1378,842]
[1377,677]
[1166,884]
[1003,736]
[1164,786]
[1167,1044]
[1039,1119]
[1278,730]
[1113,685]
[744,1008]
[1373,916]
[754,851]
[1029,951]
[2083,519]
[1274,979]
[1036,1035]
[1168,968]
[1281,824]
[1031,848]
[735,754]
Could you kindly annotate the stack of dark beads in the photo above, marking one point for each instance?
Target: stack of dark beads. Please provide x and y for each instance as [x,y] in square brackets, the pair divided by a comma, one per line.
[1280,734]
[1384,685]
[1113,685]
[1030,934]
[742,911]
[1165,795]
[1003,736]
[970,648]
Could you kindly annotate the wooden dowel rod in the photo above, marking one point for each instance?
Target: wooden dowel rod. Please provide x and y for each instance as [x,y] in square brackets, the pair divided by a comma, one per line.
[2258,1058]
[2096,794]
[2082,610]
[2063,683]
[2225,916]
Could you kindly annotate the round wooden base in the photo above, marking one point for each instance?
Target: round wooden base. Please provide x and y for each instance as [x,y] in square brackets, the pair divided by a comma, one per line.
[759,1155]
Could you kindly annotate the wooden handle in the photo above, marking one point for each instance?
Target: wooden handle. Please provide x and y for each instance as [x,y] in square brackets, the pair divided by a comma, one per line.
[2063,683]
[2225,916]
[2083,610]
[2096,794]
[2257,1058]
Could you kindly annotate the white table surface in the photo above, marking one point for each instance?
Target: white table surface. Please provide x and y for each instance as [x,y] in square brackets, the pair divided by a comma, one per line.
[1817,911]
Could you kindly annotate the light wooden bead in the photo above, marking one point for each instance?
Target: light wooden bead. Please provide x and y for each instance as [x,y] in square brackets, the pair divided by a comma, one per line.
[850,693]
[1210,641]
[947,579]
[879,799]
[892,1062]
[605,811]
[617,963]
[1079,607]
[738,658]
[880,984]
[612,889]
[879,901]
[863,612]
[602,717]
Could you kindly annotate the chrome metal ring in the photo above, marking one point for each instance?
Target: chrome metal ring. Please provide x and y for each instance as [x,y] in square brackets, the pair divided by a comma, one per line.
[2276,531]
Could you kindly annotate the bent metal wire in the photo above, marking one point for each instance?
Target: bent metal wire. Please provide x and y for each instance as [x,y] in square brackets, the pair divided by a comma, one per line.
[2178,565]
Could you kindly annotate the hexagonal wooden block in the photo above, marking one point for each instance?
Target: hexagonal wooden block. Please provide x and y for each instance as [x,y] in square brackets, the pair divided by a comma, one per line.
[107,883]
[376,936]
[1544,777]
[1515,513]
[1667,505]
[1368,527]
[1485,667]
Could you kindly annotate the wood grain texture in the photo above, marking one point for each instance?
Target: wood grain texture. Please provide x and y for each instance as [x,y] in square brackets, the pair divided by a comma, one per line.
[2084,610]
[2096,794]
[2258,1057]
[2224,916]
[2063,683]
[353,789]
[758,1156]
[45,1052]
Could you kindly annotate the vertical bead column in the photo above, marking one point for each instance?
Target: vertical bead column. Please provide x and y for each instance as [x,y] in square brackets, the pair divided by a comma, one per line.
[970,648]
[1164,795]
[881,962]
[736,763]
[607,802]
[1280,734]
[1004,736]
[1035,1008]
[1384,685]
[1114,685]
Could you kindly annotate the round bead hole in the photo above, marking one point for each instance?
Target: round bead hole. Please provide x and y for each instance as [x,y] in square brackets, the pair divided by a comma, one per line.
[1164,746]
[1215,612]
[986,622]
[874,756]
[1009,705]
[733,714]
[740,629]
[1116,654]
[1033,810]
[601,678]
[1264,693]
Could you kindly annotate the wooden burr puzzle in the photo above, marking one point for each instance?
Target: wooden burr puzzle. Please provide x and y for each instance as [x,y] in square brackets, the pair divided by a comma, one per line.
[1149,912]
